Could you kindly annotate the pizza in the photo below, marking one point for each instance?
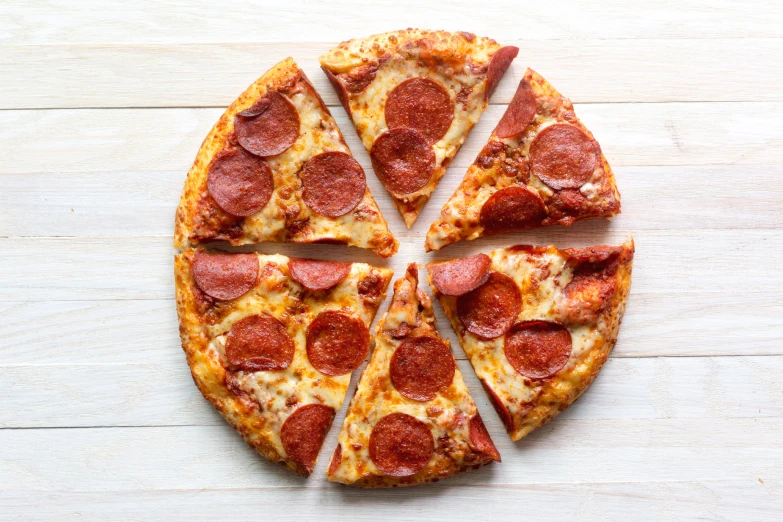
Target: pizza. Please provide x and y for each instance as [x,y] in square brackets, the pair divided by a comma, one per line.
[412,419]
[413,97]
[540,167]
[272,341]
[275,167]
[537,323]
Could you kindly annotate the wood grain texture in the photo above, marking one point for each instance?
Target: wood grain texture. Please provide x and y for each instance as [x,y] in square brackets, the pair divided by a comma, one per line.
[102,110]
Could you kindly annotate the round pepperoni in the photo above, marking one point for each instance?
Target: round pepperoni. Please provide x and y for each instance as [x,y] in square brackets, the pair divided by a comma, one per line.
[511,208]
[269,127]
[317,275]
[500,408]
[480,439]
[224,276]
[519,114]
[460,276]
[490,310]
[498,65]
[333,183]
[421,104]
[337,343]
[538,349]
[401,445]
[421,367]
[240,183]
[304,432]
[339,88]
[562,156]
[403,160]
[259,343]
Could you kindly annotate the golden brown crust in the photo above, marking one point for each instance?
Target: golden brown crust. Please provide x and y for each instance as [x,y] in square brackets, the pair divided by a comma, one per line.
[286,218]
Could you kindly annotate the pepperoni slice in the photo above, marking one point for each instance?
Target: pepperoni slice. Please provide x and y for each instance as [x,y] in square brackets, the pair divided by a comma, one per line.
[339,88]
[512,208]
[403,160]
[337,459]
[460,276]
[562,156]
[500,408]
[421,104]
[240,183]
[421,367]
[479,437]
[333,183]
[498,66]
[490,310]
[519,114]
[401,445]
[593,285]
[304,432]
[259,343]
[314,274]
[538,349]
[269,127]
[337,343]
[224,276]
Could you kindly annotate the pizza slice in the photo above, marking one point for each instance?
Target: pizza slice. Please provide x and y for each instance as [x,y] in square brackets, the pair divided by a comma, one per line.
[413,96]
[537,323]
[272,341]
[412,420]
[275,167]
[540,167]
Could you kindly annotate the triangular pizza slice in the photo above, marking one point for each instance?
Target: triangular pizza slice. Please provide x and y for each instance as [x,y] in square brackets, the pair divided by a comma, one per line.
[537,323]
[413,96]
[275,167]
[540,167]
[412,419]
[272,341]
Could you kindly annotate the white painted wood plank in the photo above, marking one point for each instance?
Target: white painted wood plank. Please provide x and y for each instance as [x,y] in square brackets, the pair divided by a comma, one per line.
[143,203]
[142,394]
[128,140]
[666,262]
[748,500]
[212,75]
[197,457]
[50,21]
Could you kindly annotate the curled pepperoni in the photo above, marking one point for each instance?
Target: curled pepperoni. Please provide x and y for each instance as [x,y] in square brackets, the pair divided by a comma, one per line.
[538,349]
[498,65]
[240,183]
[333,183]
[562,156]
[337,343]
[317,275]
[421,367]
[460,276]
[269,127]
[512,208]
[304,432]
[593,285]
[401,445]
[403,160]
[339,88]
[519,114]
[480,439]
[337,459]
[224,276]
[490,310]
[259,343]
[421,104]
[500,408]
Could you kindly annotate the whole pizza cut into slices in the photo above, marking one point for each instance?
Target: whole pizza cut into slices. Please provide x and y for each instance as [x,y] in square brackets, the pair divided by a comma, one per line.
[413,96]
[540,167]
[272,341]
[275,167]
[412,419]
[537,323]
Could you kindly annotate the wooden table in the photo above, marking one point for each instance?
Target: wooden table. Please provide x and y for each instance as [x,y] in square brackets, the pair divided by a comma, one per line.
[103,109]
